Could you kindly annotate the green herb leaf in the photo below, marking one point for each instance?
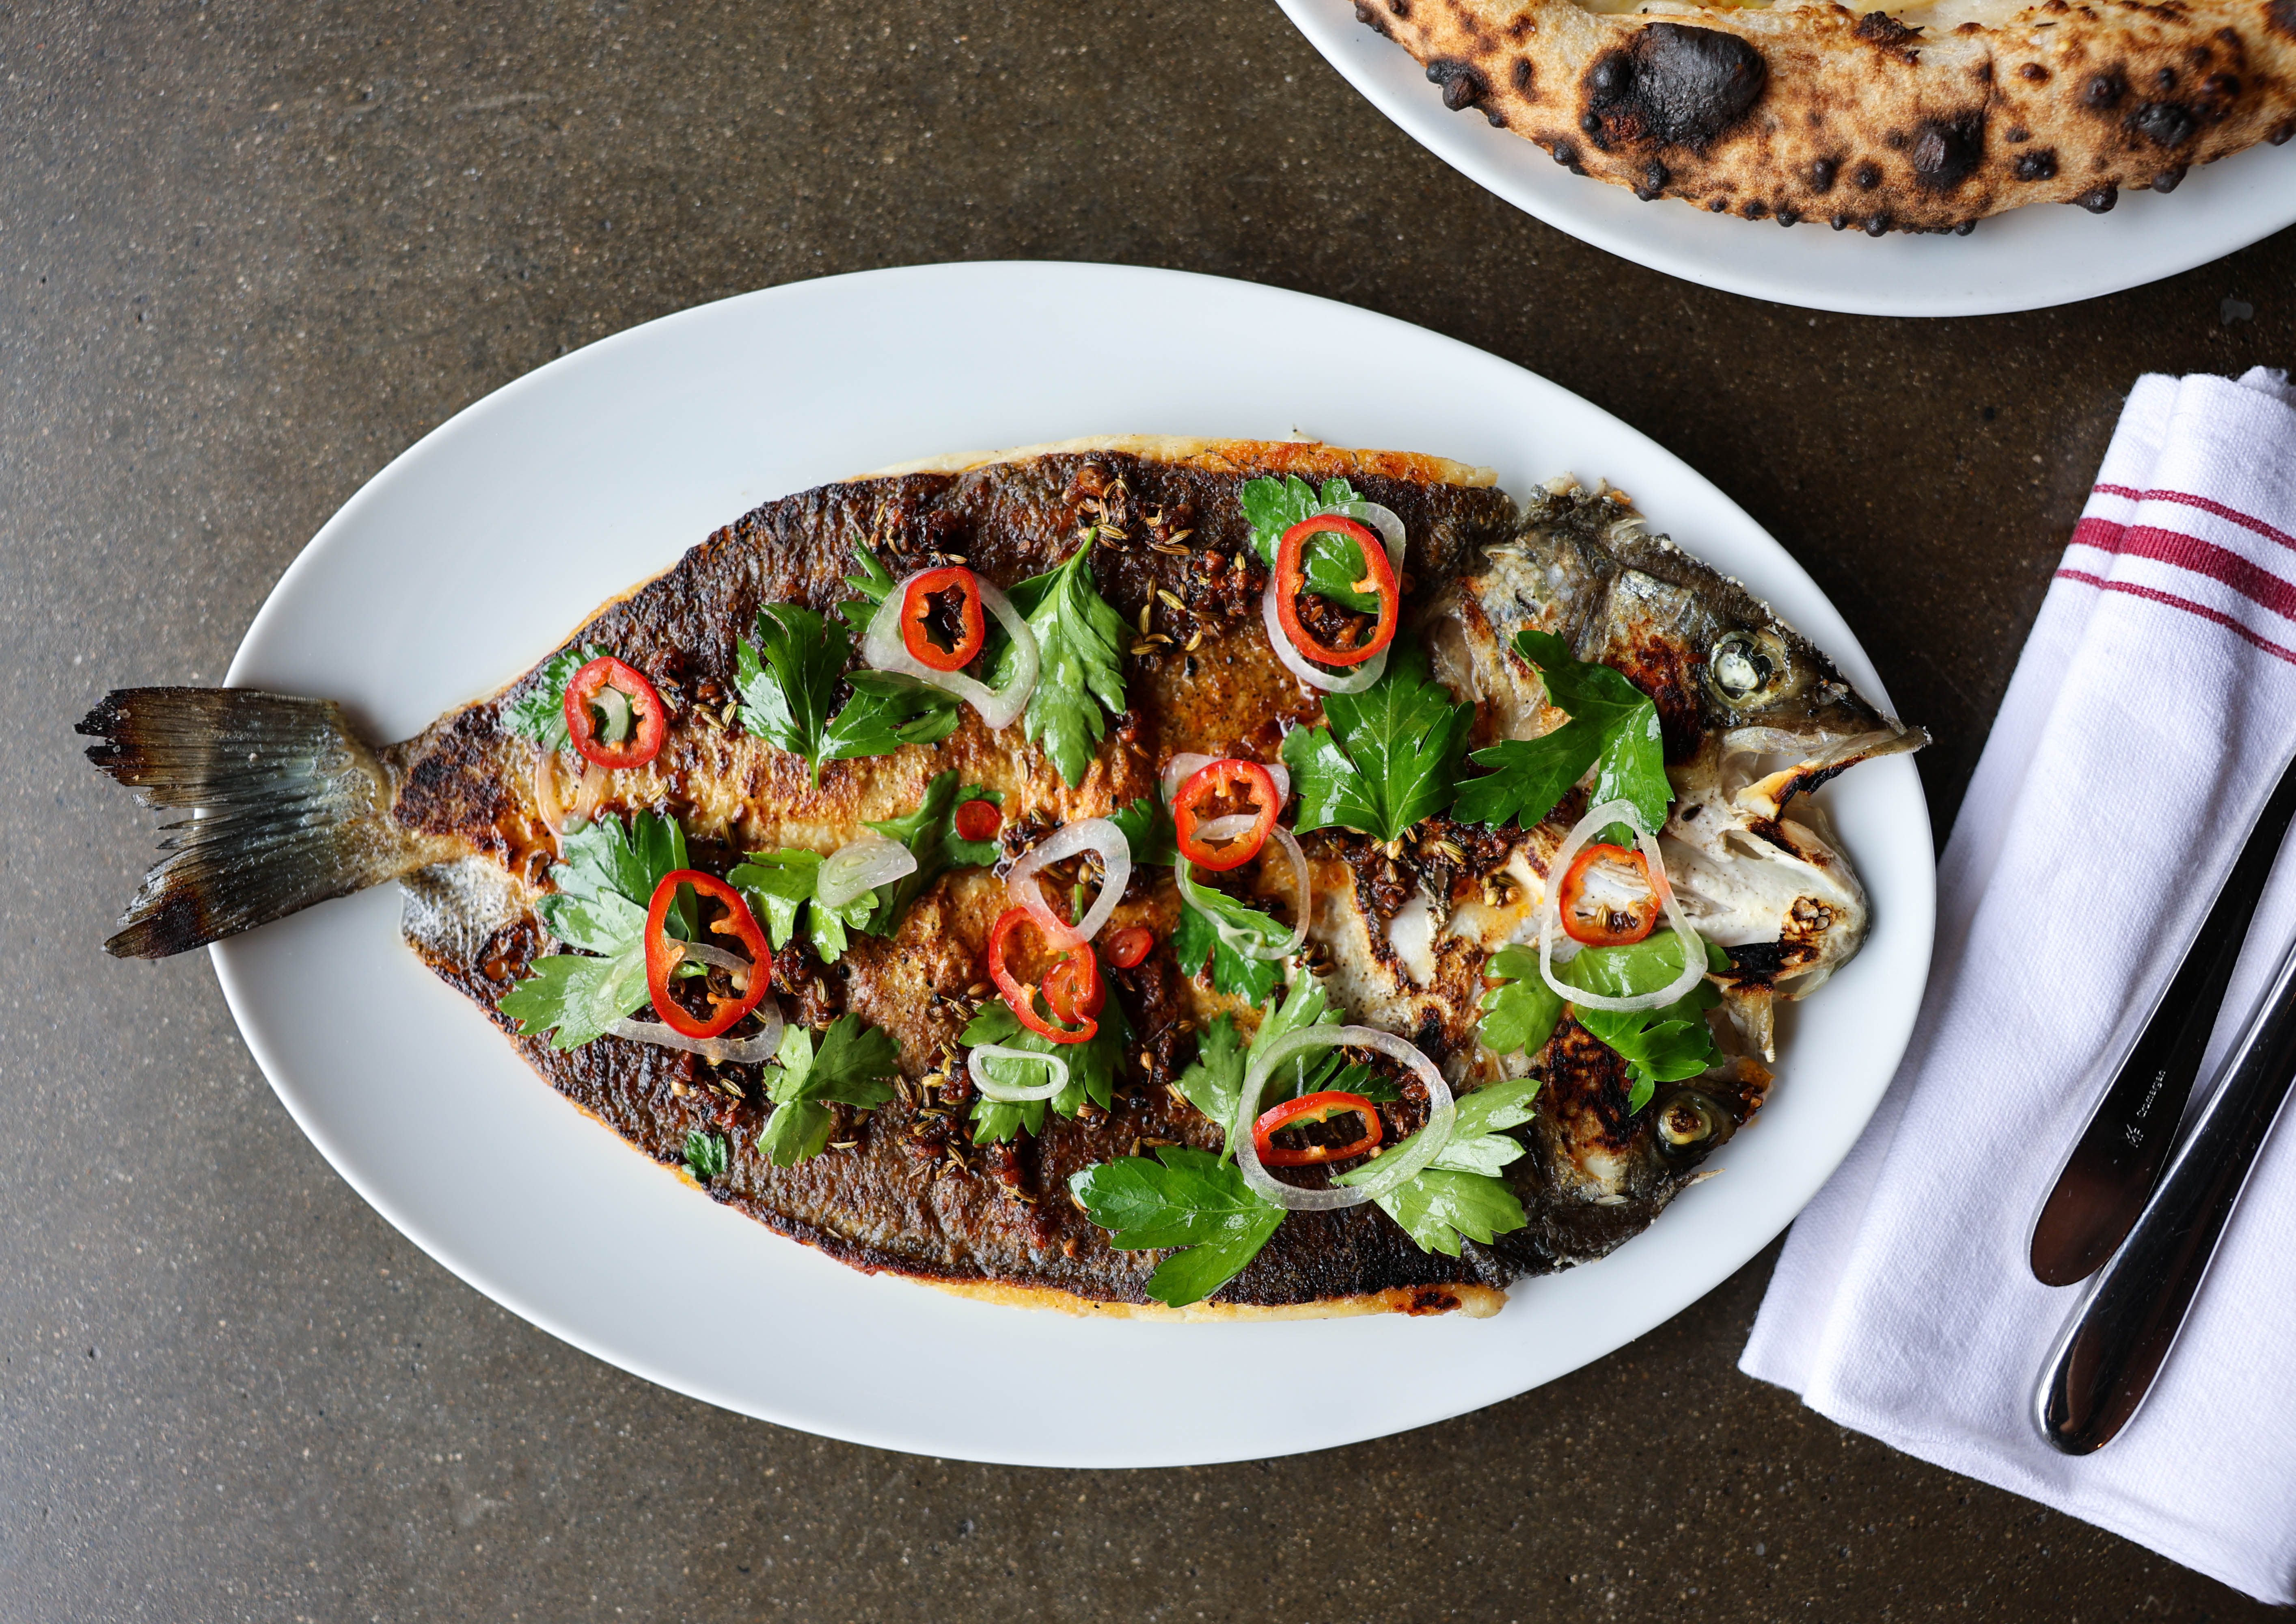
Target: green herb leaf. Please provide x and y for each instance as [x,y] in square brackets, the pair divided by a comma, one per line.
[1613,728]
[1308,1003]
[1333,563]
[600,905]
[1147,826]
[1460,1195]
[1091,1070]
[930,833]
[1389,756]
[780,885]
[1214,1083]
[1196,940]
[1658,1045]
[1186,1198]
[874,584]
[540,712]
[888,710]
[851,1067]
[1081,673]
[788,678]
[1521,1014]
[705,1155]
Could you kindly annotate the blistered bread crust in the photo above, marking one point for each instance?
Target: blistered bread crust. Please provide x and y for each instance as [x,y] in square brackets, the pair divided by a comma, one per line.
[1812,112]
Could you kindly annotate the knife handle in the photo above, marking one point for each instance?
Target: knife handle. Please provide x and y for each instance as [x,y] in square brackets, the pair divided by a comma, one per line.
[2112,1167]
[2120,1336]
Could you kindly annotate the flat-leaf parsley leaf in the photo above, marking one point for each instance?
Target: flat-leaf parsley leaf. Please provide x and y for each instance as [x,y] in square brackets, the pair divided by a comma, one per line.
[852,1066]
[1613,728]
[1388,758]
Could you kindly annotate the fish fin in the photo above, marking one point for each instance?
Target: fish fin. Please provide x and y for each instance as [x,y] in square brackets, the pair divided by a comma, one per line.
[290,808]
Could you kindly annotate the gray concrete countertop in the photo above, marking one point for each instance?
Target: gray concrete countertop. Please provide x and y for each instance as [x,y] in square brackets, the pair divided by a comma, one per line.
[250,253]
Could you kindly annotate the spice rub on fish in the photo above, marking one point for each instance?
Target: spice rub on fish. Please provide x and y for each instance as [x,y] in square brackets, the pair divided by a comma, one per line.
[757,798]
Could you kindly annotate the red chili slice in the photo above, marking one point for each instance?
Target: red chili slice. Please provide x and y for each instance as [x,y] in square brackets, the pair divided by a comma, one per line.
[649,716]
[1292,580]
[1192,809]
[1081,991]
[978,820]
[1313,1108]
[1127,948]
[664,953]
[916,612]
[1073,989]
[1607,900]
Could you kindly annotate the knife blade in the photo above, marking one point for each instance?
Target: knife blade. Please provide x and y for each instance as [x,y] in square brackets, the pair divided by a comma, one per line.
[2117,1339]
[2117,1159]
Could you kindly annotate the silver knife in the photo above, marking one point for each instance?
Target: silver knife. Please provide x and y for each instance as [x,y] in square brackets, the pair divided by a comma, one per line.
[2117,1339]
[2120,1154]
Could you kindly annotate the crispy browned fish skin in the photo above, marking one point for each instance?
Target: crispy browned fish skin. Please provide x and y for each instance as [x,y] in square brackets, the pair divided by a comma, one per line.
[1817,113]
[911,1193]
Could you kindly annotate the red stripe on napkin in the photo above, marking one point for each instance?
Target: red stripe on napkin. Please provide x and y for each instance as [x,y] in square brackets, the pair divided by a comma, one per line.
[2186,604]
[2247,522]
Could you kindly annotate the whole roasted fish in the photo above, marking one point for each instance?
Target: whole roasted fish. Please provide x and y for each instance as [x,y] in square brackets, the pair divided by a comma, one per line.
[1141,562]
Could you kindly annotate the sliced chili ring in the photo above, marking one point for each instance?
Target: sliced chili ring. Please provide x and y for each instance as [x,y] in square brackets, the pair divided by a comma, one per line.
[1073,989]
[1128,948]
[1082,991]
[664,953]
[1193,809]
[1292,580]
[978,820]
[917,615]
[1606,899]
[649,722]
[1311,1108]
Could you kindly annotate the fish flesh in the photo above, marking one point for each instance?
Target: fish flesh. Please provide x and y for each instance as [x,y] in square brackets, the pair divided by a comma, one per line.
[293,809]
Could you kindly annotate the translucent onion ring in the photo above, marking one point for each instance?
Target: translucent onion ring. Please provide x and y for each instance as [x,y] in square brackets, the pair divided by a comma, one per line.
[1227,829]
[546,799]
[1096,834]
[862,864]
[1550,914]
[740,1051]
[593,791]
[882,648]
[1391,1170]
[1185,766]
[1390,530]
[977,1064]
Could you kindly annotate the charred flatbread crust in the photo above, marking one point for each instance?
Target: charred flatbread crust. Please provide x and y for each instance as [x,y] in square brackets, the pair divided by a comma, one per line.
[1813,111]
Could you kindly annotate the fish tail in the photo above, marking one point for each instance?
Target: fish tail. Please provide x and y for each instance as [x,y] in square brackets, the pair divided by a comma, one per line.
[288,808]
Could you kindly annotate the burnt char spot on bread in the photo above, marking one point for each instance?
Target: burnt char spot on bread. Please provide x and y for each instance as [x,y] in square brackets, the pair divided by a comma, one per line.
[1463,86]
[1946,150]
[1673,87]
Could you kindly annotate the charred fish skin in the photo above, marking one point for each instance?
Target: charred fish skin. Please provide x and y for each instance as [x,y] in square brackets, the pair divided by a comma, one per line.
[1403,931]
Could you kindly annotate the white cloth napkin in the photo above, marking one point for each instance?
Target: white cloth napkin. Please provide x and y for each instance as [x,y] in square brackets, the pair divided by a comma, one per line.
[2149,716]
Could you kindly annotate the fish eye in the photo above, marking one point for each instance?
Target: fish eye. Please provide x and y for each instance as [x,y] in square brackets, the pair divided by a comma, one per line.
[1687,1123]
[1744,668]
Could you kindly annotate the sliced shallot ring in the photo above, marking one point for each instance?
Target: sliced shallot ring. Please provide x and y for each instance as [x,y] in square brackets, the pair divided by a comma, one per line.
[1005,1094]
[1391,1170]
[1096,834]
[740,1051]
[1390,531]
[1227,829]
[1189,763]
[546,799]
[882,648]
[595,783]
[1550,914]
[862,864]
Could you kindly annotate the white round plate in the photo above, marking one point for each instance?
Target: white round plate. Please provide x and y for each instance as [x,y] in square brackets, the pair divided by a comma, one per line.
[2027,260]
[471,554]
